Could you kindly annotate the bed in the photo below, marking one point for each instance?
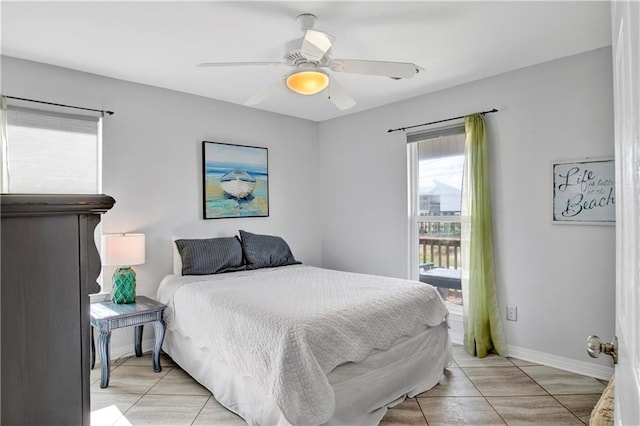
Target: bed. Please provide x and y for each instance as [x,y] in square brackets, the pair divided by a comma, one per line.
[281,343]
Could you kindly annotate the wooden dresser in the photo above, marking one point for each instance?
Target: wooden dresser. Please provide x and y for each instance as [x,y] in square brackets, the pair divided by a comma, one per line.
[49,267]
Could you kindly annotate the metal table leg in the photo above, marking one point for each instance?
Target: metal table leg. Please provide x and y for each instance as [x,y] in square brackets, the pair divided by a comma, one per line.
[103,350]
[158,329]
[138,339]
[93,351]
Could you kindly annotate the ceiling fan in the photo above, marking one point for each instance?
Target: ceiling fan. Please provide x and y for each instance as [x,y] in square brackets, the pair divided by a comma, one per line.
[309,56]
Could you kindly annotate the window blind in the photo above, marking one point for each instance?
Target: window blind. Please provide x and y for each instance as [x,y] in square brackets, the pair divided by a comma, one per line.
[435,133]
[49,152]
[440,142]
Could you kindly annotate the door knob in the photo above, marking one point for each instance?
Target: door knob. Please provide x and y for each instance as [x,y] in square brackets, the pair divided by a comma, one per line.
[595,348]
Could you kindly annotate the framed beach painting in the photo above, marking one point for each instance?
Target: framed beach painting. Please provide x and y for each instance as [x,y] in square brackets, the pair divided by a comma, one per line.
[584,192]
[235,180]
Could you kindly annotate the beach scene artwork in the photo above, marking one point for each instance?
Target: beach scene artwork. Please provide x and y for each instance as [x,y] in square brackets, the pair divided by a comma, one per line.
[236,181]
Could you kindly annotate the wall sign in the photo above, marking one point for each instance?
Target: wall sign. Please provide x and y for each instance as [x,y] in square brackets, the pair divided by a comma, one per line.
[584,192]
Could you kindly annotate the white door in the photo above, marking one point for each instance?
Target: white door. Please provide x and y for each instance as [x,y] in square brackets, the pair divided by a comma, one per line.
[625,17]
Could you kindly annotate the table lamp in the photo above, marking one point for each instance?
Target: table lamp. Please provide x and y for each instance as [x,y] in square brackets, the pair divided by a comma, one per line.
[123,251]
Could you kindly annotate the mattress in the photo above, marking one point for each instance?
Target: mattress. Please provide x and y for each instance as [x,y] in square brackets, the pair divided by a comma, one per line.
[304,345]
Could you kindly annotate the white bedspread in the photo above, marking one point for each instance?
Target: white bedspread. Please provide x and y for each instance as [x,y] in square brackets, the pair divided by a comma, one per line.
[289,327]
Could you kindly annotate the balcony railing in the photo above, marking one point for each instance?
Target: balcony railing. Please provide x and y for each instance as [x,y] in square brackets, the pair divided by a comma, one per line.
[440,260]
[443,252]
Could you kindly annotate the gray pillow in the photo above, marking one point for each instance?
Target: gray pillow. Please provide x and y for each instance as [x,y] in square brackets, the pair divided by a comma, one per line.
[265,251]
[210,256]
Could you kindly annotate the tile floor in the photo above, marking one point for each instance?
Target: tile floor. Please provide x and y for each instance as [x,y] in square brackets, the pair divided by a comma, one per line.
[473,391]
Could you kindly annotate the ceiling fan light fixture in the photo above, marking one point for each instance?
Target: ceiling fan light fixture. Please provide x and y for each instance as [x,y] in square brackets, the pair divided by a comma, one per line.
[307,82]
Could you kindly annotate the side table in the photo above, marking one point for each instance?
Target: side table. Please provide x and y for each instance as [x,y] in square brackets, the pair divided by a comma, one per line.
[107,316]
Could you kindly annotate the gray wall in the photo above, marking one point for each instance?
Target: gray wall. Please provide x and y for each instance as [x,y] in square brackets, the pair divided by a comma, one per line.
[152,164]
[344,182]
[561,277]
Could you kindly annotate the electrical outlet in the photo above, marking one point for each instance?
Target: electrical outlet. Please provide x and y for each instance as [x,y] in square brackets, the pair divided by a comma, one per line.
[512,313]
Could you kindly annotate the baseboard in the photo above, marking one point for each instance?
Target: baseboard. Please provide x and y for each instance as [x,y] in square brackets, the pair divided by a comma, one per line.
[456,333]
[456,329]
[562,363]
[456,338]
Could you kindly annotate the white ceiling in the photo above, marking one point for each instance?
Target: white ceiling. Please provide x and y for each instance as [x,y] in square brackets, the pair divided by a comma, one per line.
[159,43]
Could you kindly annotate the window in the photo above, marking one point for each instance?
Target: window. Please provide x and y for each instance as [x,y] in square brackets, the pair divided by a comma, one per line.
[436,162]
[49,152]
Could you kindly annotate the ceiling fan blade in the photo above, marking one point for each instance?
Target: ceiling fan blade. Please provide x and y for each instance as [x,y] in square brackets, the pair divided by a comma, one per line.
[394,70]
[263,94]
[316,44]
[339,96]
[235,64]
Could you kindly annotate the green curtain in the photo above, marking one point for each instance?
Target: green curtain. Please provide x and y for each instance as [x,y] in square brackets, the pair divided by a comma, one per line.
[483,331]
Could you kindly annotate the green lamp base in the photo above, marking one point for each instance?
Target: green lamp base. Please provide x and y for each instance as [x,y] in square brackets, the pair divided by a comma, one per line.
[124,285]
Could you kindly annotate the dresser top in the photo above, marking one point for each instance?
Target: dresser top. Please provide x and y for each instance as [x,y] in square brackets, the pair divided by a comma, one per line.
[53,204]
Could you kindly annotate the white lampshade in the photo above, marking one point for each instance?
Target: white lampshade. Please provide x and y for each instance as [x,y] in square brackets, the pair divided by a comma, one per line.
[123,249]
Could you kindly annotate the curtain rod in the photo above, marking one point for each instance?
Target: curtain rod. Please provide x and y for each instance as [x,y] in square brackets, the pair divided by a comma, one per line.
[439,121]
[103,112]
